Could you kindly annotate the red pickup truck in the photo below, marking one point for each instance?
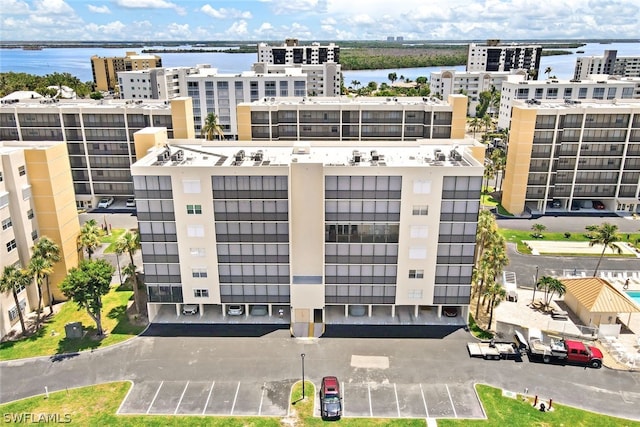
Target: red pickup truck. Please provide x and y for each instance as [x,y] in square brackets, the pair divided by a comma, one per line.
[564,350]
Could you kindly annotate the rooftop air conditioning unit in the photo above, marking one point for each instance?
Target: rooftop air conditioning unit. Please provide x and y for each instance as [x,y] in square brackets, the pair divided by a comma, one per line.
[239,156]
[178,156]
[374,155]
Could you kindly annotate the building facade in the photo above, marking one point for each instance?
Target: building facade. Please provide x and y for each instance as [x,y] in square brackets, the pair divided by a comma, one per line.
[608,64]
[99,136]
[515,88]
[322,79]
[449,82]
[494,56]
[36,199]
[573,154]
[291,52]
[105,69]
[309,228]
[353,119]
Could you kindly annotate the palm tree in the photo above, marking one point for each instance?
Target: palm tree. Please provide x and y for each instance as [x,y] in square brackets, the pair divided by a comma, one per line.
[355,84]
[392,77]
[489,172]
[39,268]
[89,237]
[486,228]
[493,260]
[130,242]
[606,235]
[547,71]
[537,229]
[486,121]
[499,160]
[496,294]
[551,286]
[211,128]
[50,251]
[474,123]
[13,279]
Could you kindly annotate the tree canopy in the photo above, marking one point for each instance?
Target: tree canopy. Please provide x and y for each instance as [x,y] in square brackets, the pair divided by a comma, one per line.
[11,82]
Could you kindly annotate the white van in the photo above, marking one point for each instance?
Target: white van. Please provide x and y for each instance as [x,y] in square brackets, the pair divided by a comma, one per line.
[189,309]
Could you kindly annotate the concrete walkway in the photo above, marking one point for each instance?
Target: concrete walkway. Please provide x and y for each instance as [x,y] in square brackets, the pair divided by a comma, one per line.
[539,247]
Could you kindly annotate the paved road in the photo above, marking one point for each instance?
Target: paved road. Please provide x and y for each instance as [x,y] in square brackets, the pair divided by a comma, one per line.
[572,224]
[275,358]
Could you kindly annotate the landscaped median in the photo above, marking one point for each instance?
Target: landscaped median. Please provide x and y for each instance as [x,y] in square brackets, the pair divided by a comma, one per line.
[97,406]
[50,339]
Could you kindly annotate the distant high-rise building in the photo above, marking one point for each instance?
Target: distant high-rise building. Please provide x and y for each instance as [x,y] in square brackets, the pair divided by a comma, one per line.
[610,64]
[494,56]
[292,53]
[105,69]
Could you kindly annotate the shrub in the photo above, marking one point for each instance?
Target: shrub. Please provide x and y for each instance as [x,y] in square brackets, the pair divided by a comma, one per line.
[567,234]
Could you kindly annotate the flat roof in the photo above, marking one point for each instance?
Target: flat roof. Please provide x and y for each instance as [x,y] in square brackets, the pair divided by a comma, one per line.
[156,104]
[443,153]
[583,104]
[347,100]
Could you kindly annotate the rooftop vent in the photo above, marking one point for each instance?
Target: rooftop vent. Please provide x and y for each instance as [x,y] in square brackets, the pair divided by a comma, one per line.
[178,156]
[239,156]
[374,156]
[257,156]
[356,156]
[164,156]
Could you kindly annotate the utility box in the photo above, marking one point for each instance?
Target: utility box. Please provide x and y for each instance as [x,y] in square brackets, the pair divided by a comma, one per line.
[73,330]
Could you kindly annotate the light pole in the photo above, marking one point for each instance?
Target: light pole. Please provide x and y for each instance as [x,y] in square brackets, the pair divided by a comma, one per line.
[535,285]
[302,356]
[119,271]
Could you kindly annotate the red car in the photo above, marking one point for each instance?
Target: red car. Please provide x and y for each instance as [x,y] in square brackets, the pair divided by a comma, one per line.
[597,204]
[330,399]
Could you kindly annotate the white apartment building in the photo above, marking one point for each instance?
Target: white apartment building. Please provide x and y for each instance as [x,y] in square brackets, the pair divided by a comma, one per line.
[322,79]
[449,82]
[608,64]
[593,87]
[155,83]
[494,56]
[98,135]
[290,53]
[311,229]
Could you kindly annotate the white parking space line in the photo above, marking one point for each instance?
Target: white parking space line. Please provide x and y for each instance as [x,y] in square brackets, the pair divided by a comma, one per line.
[395,390]
[370,405]
[208,398]
[264,386]
[154,397]
[235,398]
[181,397]
[344,400]
[451,400]
[424,401]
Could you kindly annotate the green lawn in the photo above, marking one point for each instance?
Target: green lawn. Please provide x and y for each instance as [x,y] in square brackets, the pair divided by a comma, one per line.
[111,239]
[97,406]
[51,339]
[504,411]
[477,331]
[517,236]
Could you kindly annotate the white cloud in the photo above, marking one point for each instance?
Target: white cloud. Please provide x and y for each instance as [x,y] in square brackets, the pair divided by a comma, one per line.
[224,13]
[111,29]
[52,7]
[14,7]
[238,29]
[150,4]
[295,7]
[98,9]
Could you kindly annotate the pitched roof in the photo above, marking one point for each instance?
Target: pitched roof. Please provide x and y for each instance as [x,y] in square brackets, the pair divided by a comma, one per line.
[599,296]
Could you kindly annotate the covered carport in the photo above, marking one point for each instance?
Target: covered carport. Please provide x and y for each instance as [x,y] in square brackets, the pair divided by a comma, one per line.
[596,301]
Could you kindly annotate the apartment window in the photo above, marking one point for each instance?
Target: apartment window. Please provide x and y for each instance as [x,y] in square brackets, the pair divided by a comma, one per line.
[22,171]
[30,214]
[415,294]
[34,235]
[11,245]
[416,274]
[197,252]
[1,179]
[420,210]
[611,93]
[200,273]
[195,230]
[567,92]
[419,232]
[13,311]
[582,93]
[421,187]
[598,93]
[194,209]
[201,293]
[191,186]
[418,253]
[6,223]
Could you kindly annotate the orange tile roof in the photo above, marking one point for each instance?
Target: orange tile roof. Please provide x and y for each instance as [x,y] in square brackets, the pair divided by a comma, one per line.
[599,296]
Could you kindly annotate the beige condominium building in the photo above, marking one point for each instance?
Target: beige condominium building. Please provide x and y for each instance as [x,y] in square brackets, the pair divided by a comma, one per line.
[98,135]
[105,69]
[609,64]
[573,156]
[314,229]
[352,119]
[36,199]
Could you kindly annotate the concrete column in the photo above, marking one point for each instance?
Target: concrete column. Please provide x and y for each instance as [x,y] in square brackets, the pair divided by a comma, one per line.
[346,310]
[201,309]
[393,311]
[370,309]
[178,310]
[416,310]
[439,311]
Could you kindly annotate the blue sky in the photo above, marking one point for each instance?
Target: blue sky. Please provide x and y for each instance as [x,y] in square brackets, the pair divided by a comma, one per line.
[317,19]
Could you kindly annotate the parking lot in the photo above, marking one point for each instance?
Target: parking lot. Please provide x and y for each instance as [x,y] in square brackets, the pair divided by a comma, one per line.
[368,400]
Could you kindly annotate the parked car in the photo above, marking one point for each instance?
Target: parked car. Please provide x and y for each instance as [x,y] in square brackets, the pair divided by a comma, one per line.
[189,309]
[450,311]
[131,202]
[105,202]
[330,399]
[235,310]
[597,204]
[357,310]
[259,310]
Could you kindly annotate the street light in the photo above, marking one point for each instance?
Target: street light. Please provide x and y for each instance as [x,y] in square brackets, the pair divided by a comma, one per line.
[535,285]
[302,356]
